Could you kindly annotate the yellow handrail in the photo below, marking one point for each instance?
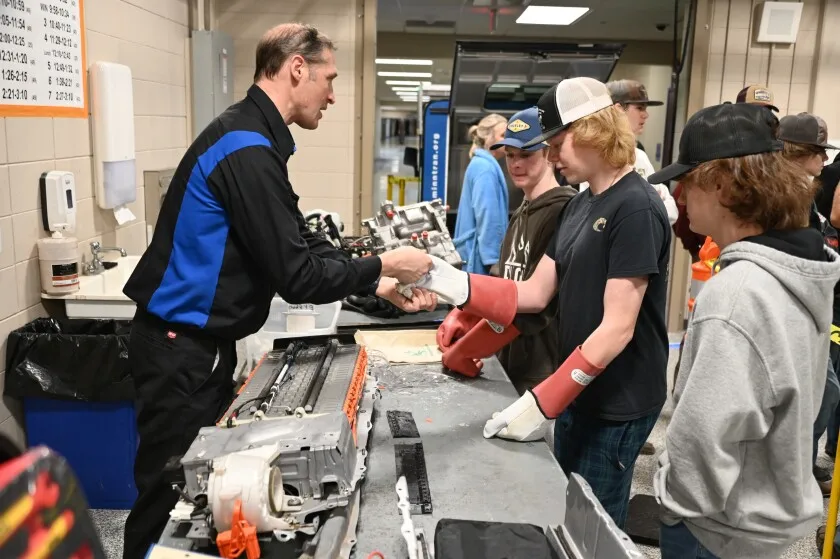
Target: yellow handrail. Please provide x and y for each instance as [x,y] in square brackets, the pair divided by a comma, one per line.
[831,521]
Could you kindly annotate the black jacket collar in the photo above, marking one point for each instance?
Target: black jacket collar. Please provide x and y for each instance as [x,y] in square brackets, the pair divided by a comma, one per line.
[279,131]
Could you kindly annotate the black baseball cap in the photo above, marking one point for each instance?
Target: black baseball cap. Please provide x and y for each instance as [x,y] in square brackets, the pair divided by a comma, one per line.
[721,132]
[804,128]
[568,101]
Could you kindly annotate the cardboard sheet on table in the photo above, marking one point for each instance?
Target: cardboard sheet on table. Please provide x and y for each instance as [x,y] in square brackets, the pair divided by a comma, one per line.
[402,346]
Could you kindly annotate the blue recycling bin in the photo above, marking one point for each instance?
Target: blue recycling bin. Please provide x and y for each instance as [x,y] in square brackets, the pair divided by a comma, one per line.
[73,379]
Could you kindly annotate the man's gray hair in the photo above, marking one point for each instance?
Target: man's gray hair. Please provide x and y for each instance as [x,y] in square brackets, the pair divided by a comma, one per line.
[279,43]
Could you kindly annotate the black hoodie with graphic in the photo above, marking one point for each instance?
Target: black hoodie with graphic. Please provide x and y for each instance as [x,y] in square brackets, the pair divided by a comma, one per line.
[534,355]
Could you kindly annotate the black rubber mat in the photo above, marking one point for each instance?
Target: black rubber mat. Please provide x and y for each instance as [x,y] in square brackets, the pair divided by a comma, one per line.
[642,523]
[411,463]
[402,424]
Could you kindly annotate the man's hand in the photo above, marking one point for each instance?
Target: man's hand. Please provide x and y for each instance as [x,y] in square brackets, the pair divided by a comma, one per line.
[406,264]
[422,300]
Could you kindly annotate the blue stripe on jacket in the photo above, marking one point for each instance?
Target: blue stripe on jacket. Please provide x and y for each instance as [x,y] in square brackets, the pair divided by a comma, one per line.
[188,287]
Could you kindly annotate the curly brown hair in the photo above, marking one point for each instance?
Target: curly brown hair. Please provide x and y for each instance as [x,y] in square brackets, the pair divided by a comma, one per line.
[765,189]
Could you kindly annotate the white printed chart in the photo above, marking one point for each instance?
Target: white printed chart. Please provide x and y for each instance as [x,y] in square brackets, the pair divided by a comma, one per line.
[42,58]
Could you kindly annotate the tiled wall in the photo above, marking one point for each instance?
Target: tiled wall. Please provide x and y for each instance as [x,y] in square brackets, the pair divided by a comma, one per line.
[735,59]
[149,37]
[323,169]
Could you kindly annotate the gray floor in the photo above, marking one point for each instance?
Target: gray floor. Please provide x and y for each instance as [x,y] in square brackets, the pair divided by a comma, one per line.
[110,522]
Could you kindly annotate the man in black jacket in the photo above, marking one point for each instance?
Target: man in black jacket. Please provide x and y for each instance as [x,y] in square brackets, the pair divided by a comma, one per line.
[229,237]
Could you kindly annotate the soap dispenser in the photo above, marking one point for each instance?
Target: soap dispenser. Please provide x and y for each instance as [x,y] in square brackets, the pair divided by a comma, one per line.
[58,255]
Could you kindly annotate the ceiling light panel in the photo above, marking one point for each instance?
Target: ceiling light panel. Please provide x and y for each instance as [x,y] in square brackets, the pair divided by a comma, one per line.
[404,74]
[404,61]
[551,15]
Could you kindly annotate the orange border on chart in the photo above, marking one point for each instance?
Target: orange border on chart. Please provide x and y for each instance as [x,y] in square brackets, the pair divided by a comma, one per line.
[65,112]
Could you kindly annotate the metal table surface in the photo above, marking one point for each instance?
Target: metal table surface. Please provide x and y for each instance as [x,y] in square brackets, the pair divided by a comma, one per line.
[425,319]
[470,477]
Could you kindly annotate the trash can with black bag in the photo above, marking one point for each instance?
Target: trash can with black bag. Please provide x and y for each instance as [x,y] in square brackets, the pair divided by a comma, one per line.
[73,380]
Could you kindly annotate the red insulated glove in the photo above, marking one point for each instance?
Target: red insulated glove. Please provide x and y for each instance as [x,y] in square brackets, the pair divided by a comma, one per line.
[555,393]
[482,341]
[454,326]
[495,299]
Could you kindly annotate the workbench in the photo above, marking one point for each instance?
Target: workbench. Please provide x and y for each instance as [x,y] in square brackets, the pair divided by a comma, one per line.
[470,477]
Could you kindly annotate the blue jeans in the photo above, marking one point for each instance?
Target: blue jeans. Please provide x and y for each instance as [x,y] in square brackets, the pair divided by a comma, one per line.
[826,417]
[677,542]
[603,453]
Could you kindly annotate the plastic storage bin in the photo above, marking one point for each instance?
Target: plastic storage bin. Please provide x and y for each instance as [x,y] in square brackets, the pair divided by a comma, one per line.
[73,379]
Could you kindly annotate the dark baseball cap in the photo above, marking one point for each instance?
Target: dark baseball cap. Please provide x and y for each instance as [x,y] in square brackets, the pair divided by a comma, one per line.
[804,128]
[630,92]
[757,95]
[721,132]
[568,101]
[522,127]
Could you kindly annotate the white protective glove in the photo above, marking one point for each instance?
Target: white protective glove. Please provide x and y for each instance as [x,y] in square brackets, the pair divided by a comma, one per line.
[451,284]
[521,421]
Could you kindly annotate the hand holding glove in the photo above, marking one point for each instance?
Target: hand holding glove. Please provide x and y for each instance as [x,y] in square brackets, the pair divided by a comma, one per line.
[492,298]
[525,419]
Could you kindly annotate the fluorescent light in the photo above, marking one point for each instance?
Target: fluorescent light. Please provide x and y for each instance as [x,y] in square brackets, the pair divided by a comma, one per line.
[404,88]
[405,74]
[401,82]
[551,15]
[404,61]
[436,86]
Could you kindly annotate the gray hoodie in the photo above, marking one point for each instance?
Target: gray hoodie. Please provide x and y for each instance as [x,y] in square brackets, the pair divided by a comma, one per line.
[737,462]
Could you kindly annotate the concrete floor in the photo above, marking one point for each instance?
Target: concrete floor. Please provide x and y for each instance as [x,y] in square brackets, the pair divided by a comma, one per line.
[110,523]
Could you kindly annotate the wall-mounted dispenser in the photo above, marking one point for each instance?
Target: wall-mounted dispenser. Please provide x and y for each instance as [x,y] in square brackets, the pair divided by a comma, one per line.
[58,255]
[58,201]
[112,124]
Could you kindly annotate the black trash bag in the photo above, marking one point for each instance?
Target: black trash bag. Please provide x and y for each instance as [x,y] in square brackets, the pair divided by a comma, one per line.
[473,539]
[70,359]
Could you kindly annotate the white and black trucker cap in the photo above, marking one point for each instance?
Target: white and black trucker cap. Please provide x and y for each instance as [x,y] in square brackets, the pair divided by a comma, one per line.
[568,101]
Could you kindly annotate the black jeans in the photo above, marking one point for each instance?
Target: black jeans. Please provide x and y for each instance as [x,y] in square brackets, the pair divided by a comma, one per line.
[183,381]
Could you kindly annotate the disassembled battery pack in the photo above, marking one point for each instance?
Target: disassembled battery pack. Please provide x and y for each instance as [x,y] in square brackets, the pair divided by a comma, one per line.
[286,457]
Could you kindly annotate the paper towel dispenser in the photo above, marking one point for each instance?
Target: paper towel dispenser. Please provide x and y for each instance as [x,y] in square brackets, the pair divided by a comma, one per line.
[112,124]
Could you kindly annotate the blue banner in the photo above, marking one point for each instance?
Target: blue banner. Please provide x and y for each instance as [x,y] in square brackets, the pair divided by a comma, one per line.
[435,141]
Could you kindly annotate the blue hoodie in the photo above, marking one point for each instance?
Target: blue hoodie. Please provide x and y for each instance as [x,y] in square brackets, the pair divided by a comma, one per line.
[482,213]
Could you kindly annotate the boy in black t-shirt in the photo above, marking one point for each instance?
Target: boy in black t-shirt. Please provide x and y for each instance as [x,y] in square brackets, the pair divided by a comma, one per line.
[607,265]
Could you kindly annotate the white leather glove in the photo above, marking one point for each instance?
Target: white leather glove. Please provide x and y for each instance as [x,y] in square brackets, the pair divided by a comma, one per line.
[451,284]
[521,421]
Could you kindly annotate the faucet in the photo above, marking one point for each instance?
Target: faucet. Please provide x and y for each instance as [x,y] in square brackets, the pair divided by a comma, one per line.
[95,265]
